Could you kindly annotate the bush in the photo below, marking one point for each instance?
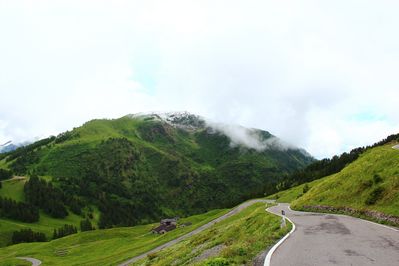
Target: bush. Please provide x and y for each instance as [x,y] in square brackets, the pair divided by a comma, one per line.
[374,196]
[305,188]
[152,256]
[217,262]
[377,179]
[366,184]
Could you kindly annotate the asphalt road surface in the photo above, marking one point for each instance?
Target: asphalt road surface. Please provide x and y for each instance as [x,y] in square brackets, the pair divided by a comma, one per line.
[35,262]
[326,239]
[196,231]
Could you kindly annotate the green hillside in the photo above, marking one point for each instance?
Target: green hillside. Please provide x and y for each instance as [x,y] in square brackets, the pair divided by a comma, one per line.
[237,240]
[368,187]
[138,169]
[101,247]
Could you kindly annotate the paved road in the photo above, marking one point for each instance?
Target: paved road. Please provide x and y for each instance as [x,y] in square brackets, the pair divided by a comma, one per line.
[196,231]
[325,239]
[396,147]
[35,262]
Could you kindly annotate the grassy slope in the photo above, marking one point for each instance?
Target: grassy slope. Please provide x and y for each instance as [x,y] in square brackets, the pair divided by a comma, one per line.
[353,185]
[13,189]
[244,235]
[101,247]
[292,194]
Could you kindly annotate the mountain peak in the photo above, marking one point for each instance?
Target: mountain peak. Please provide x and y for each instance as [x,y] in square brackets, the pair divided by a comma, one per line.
[184,120]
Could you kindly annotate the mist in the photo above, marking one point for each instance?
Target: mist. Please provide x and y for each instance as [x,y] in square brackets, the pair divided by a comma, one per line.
[248,137]
[318,74]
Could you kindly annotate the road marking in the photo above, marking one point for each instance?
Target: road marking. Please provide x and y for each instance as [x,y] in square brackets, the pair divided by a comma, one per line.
[271,251]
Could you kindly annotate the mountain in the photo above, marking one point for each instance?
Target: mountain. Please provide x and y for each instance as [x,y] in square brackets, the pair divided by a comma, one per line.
[8,147]
[142,167]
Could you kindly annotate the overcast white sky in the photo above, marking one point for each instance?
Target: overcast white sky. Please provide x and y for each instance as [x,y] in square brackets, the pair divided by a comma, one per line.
[322,75]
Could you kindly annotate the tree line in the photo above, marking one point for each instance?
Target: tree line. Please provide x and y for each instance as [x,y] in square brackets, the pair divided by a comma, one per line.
[20,211]
[27,236]
[5,174]
[65,230]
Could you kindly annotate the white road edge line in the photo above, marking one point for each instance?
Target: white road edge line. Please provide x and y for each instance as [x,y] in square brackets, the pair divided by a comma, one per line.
[271,251]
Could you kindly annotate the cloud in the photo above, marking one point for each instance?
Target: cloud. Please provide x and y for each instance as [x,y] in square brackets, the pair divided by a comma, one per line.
[303,71]
[250,138]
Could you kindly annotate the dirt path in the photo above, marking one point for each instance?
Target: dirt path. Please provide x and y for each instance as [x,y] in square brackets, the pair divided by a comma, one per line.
[196,231]
[35,262]
[328,239]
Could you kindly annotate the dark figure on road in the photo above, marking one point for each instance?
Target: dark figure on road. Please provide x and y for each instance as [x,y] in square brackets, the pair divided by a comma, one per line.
[283,212]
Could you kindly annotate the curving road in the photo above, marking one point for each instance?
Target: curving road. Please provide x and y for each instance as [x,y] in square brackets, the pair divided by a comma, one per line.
[327,239]
[35,262]
[196,231]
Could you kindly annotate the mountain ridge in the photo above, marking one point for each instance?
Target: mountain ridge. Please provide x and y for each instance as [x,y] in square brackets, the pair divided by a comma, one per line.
[138,169]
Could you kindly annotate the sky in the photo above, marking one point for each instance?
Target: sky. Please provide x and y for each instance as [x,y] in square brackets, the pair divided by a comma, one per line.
[321,75]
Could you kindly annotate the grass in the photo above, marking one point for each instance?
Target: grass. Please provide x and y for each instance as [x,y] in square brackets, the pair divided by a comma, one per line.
[289,195]
[356,186]
[102,247]
[13,188]
[46,224]
[15,262]
[376,169]
[240,239]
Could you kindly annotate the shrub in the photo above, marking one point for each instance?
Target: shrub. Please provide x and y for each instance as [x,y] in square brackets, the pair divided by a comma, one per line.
[305,188]
[217,262]
[374,196]
[241,252]
[377,179]
[152,256]
[366,184]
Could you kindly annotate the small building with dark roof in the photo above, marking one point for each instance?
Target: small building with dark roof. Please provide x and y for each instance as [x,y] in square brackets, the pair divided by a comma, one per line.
[166,225]
[163,228]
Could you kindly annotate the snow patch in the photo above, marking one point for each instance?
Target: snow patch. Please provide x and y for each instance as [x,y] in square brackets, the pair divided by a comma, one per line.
[238,135]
